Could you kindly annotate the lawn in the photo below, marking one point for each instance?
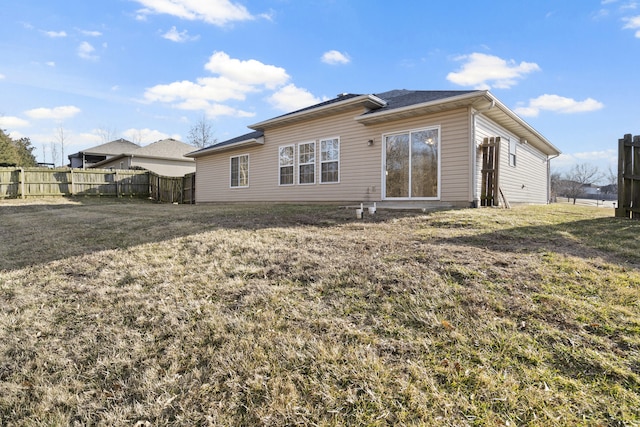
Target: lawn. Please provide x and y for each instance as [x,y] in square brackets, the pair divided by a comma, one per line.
[122,313]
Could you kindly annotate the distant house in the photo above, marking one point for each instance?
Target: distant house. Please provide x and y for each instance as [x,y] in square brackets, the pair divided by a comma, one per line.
[399,147]
[89,157]
[164,157]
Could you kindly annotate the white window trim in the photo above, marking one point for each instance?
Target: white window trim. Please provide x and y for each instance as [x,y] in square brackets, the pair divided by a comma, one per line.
[299,164]
[383,185]
[231,170]
[514,144]
[293,165]
[330,161]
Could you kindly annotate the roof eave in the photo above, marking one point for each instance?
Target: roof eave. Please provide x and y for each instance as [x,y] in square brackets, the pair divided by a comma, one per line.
[482,101]
[534,137]
[367,101]
[215,149]
[440,104]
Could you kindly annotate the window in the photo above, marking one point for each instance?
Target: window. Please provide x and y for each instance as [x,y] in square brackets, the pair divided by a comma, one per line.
[330,160]
[240,171]
[307,163]
[512,153]
[286,160]
[412,164]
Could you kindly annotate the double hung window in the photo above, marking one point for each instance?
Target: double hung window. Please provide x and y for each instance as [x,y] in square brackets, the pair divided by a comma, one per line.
[330,160]
[307,163]
[240,171]
[286,158]
[512,152]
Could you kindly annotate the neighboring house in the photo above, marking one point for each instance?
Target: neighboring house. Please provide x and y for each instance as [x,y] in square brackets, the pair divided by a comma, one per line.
[89,157]
[401,147]
[165,157]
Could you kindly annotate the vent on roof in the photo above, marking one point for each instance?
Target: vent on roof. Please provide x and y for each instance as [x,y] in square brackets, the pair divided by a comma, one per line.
[343,94]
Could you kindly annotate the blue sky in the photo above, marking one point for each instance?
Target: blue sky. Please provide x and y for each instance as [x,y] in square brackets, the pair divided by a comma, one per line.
[88,71]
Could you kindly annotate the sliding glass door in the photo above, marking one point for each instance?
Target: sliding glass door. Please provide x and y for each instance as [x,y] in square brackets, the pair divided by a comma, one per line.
[412,164]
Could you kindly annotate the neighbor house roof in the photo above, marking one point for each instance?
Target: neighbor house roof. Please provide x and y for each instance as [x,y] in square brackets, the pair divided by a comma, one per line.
[112,148]
[167,149]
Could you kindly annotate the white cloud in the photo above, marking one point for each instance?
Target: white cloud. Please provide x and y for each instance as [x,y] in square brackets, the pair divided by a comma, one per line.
[558,104]
[216,12]
[85,51]
[250,72]
[633,23]
[291,98]
[57,113]
[216,89]
[333,57]
[10,122]
[50,63]
[178,36]
[2,76]
[483,71]
[234,79]
[147,136]
[90,33]
[55,34]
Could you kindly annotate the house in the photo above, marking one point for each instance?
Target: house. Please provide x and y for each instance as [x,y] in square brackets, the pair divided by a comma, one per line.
[402,147]
[91,156]
[165,157]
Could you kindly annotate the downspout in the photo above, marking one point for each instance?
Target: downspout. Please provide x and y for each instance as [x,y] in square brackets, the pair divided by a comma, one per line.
[549,177]
[474,160]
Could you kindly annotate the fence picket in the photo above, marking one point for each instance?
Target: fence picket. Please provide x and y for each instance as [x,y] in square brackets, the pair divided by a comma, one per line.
[628,177]
[45,182]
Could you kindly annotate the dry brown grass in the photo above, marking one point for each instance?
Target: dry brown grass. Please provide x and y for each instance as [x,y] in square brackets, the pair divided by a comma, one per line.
[136,313]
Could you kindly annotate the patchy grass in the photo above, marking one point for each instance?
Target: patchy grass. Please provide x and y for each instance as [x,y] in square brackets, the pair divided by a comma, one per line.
[135,313]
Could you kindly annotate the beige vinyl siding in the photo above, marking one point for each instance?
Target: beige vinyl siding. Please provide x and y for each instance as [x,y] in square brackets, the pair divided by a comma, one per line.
[164,167]
[527,181]
[360,164]
[116,164]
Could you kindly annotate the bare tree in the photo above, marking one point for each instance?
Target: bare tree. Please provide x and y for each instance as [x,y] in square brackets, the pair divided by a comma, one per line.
[611,178]
[556,184]
[61,137]
[579,177]
[201,133]
[107,134]
[54,154]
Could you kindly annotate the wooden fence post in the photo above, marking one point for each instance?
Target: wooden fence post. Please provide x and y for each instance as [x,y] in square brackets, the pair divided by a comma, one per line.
[628,177]
[21,177]
[115,180]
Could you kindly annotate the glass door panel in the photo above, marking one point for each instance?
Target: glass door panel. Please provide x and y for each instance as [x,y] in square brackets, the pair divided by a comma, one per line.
[397,165]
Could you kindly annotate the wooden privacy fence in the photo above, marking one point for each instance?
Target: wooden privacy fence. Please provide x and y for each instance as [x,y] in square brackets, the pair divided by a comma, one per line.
[491,193]
[629,177]
[172,189]
[45,182]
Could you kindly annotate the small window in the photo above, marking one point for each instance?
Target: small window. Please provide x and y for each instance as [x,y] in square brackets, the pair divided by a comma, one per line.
[240,171]
[330,160]
[307,163]
[512,153]
[286,158]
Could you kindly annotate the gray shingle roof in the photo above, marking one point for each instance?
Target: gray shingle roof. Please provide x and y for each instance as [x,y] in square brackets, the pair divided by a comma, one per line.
[247,136]
[167,148]
[113,148]
[403,98]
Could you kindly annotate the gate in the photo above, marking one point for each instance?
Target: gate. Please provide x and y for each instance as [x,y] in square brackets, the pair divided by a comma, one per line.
[629,177]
